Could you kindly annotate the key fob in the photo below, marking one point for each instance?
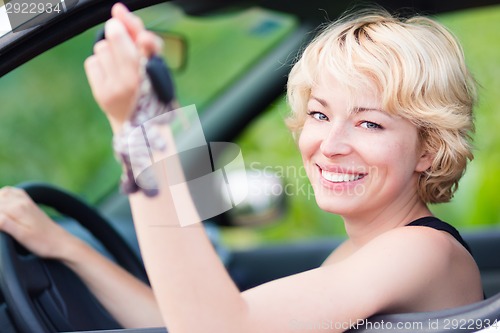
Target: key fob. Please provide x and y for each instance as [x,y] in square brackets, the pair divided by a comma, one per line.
[158,73]
[160,78]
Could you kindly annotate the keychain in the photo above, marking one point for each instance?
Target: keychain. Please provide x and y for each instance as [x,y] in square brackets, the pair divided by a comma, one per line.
[156,101]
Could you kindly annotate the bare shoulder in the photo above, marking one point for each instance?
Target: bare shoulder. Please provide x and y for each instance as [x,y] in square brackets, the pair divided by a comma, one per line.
[425,269]
[402,241]
[417,239]
[437,251]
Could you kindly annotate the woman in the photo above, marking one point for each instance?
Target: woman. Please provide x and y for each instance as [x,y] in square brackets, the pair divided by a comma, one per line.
[382,110]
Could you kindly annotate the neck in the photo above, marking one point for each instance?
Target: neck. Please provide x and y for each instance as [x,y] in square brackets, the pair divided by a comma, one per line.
[362,229]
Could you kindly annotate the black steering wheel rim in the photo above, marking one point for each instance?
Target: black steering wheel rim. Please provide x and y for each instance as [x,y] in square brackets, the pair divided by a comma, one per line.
[33,287]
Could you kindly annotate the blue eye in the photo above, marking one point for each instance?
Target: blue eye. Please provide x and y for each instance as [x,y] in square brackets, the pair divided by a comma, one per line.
[317,115]
[370,125]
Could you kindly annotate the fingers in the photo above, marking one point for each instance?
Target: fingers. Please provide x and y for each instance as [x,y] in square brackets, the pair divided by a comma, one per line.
[5,190]
[127,38]
[34,237]
[15,203]
[149,43]
[95,75]
[132,23]
[113,71]
[11,199]
[97,66]
[8,225]
[106,62]
[119,10]
[9,191]
[21,218]
[122,46]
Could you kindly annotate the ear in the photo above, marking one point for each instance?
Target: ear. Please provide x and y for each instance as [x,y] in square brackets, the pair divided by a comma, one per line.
[425,161]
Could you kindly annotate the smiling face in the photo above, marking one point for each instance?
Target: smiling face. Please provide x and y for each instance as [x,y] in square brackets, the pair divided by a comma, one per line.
[361,161]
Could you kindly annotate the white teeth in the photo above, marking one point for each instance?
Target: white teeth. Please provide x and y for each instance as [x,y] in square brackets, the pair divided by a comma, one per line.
[340,177]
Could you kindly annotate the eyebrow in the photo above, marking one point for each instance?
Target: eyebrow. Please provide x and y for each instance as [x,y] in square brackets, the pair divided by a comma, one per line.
[356,109]
[321,101]
[359,109]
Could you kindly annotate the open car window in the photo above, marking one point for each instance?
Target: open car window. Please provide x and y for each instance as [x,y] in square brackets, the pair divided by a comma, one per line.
[52,130]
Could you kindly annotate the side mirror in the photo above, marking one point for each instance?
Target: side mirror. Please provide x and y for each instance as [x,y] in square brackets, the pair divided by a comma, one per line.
[265,201]
[174,49]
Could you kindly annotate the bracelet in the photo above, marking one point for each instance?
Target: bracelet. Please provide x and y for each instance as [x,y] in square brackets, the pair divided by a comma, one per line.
[134,147]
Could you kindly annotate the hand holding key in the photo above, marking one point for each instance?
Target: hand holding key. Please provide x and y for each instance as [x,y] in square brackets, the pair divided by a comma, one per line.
[114,71]
[133,86]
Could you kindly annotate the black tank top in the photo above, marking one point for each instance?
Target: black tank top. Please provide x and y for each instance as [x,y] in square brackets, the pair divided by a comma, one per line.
[435,223]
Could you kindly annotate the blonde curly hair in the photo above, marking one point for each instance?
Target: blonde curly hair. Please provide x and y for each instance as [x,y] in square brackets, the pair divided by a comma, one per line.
[418,68]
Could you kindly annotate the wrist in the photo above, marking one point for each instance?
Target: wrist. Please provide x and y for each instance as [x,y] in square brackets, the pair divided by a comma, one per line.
[74,251]
[116,125]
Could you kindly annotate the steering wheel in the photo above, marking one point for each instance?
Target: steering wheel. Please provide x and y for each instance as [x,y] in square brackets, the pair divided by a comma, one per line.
[46,296]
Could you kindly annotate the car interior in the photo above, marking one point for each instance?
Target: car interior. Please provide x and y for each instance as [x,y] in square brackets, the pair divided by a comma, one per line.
[75,177]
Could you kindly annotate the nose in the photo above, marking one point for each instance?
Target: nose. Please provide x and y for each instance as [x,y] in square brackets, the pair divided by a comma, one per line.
[337,141]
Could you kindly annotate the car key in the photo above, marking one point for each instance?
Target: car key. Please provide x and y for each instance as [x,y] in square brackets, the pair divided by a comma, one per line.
[155,102]
[158,73]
